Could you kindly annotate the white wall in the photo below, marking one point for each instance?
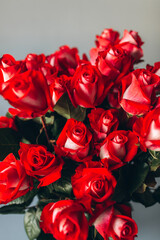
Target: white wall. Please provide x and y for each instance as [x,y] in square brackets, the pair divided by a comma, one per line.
[28,26]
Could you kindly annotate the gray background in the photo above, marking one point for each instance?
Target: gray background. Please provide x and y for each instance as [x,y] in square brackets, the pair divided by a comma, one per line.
[41,26]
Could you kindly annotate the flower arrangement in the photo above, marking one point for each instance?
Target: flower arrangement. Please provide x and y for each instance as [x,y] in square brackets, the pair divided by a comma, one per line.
[83,136]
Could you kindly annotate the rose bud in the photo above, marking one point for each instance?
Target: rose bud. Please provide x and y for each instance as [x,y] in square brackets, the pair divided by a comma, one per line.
[57,88]
[65,60]
[28,93]
[148,130]
[154,69]
[89,83]
[40,164]
[14,182]
[114,63]
[131,42]
[34,61]
[9,68]
[74,141]
[138,91]
[38,63]
[118,148]
[93,183]
[64,219]
[107,38]
[103,122]
[6,122]
[112,223]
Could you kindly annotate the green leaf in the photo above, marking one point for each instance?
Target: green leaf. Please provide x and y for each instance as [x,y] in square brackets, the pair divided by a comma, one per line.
[25,199]
[154,160]
[131,177]
[31,223]
[29,129]
[9,142]
[147,198]
[62,186]
[98,236]
[65,108]
[12,209]
[138,175]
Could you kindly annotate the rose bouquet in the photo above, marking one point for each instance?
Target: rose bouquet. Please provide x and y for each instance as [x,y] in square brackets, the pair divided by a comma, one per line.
[83,137]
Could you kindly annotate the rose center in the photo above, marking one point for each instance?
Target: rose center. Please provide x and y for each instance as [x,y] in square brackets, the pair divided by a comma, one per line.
[97,188]
[107,119]
[66,226]
[118,139]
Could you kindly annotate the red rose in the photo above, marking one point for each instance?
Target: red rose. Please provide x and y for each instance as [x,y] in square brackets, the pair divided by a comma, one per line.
[87,87]
[118,148]
[57,88]
[114,63]
[38,63]
[93,183]
[107,38]
[103,122]
[34,61]
[74,141]
[111,223]
[6,122]
[138,91]
[148,130]
[9,68]
[40,163]
[66,60]
[132,43]
[65,219]
[154,69]
[14,182]
[28,93]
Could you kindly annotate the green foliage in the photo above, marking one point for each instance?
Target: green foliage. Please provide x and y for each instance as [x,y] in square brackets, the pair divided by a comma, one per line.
[14,209]
[25,199]
[29,129]
[131,177]
[154,160]
[65,108]
[9,142]
[31,223]
[147,198]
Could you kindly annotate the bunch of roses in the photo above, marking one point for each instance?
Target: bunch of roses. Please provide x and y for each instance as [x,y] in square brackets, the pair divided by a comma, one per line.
[123,113]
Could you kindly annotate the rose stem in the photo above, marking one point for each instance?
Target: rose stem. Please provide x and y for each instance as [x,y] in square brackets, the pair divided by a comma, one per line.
[45,129]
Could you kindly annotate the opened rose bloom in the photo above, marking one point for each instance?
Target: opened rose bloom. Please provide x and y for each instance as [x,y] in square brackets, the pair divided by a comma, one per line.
[148,130]
[103,122]
[114,63]
[118,225]
[138,92]
[14,182]
[132,43]
[65,219]
[107,38]
[65,59]
[89,83]
[9,67]
[40,163]
[75,141]
[28,92]
[118,148]
[92,183]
